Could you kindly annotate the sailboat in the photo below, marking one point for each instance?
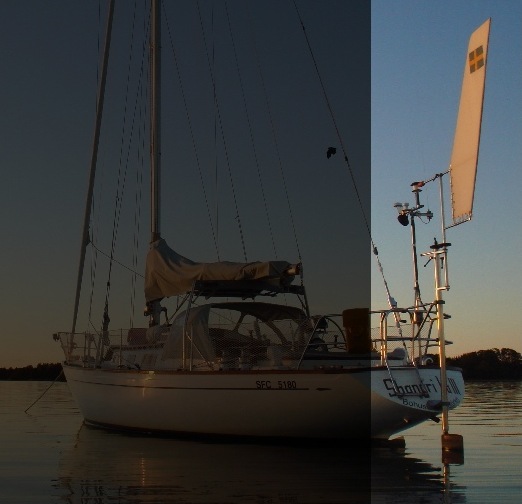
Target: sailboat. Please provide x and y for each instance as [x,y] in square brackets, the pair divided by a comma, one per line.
[235,360]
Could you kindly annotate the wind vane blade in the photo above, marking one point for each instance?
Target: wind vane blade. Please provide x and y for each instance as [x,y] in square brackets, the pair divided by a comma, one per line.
[464,157]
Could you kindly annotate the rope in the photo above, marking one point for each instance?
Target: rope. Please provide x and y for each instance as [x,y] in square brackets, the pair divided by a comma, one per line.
[44,392]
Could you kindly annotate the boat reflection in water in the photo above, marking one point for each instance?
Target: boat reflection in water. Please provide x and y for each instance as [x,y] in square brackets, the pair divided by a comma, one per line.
[110,467]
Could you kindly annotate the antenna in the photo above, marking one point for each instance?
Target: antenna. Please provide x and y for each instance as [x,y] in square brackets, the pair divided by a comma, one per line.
[407,216]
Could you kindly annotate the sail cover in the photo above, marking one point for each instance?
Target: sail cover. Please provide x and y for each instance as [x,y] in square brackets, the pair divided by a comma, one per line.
[169,274]
[464,157]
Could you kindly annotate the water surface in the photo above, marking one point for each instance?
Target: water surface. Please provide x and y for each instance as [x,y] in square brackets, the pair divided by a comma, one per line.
[49,456]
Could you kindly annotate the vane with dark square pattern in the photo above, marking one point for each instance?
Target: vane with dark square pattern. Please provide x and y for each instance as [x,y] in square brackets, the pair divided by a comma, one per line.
[476,59]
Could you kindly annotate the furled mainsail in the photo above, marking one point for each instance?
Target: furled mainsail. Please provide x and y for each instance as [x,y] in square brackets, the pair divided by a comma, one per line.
[168,273]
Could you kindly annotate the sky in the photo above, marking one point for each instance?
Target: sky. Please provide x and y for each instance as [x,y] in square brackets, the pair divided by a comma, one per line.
[50,57]
[418,55]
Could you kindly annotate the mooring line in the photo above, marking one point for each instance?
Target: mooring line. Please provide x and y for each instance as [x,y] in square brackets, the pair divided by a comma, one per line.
[45,392]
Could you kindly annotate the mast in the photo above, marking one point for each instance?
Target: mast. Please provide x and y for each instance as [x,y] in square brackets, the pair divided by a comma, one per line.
[155,118]
[153,308]
[94,157]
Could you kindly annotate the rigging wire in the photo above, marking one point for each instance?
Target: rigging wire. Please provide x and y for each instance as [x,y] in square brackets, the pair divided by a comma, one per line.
[141,152]
[223,139]
[92,229]
[273,130]
[94,155]
[137,222]
[122,169]
[216,164]
[334,122]
[125,157]
[192,136]
[108,256]
[249,123]
[391,301]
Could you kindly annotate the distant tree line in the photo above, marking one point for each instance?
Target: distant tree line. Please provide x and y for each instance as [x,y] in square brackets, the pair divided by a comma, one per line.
[41,372]
[493,364]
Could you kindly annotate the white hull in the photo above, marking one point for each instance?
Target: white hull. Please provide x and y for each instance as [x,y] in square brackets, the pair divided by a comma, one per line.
[319,404]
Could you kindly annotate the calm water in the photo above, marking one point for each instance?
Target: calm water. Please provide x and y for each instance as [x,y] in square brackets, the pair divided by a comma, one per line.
[47,456]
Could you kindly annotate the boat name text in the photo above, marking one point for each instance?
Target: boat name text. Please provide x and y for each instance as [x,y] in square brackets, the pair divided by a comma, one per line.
[396,390]
[410,388]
